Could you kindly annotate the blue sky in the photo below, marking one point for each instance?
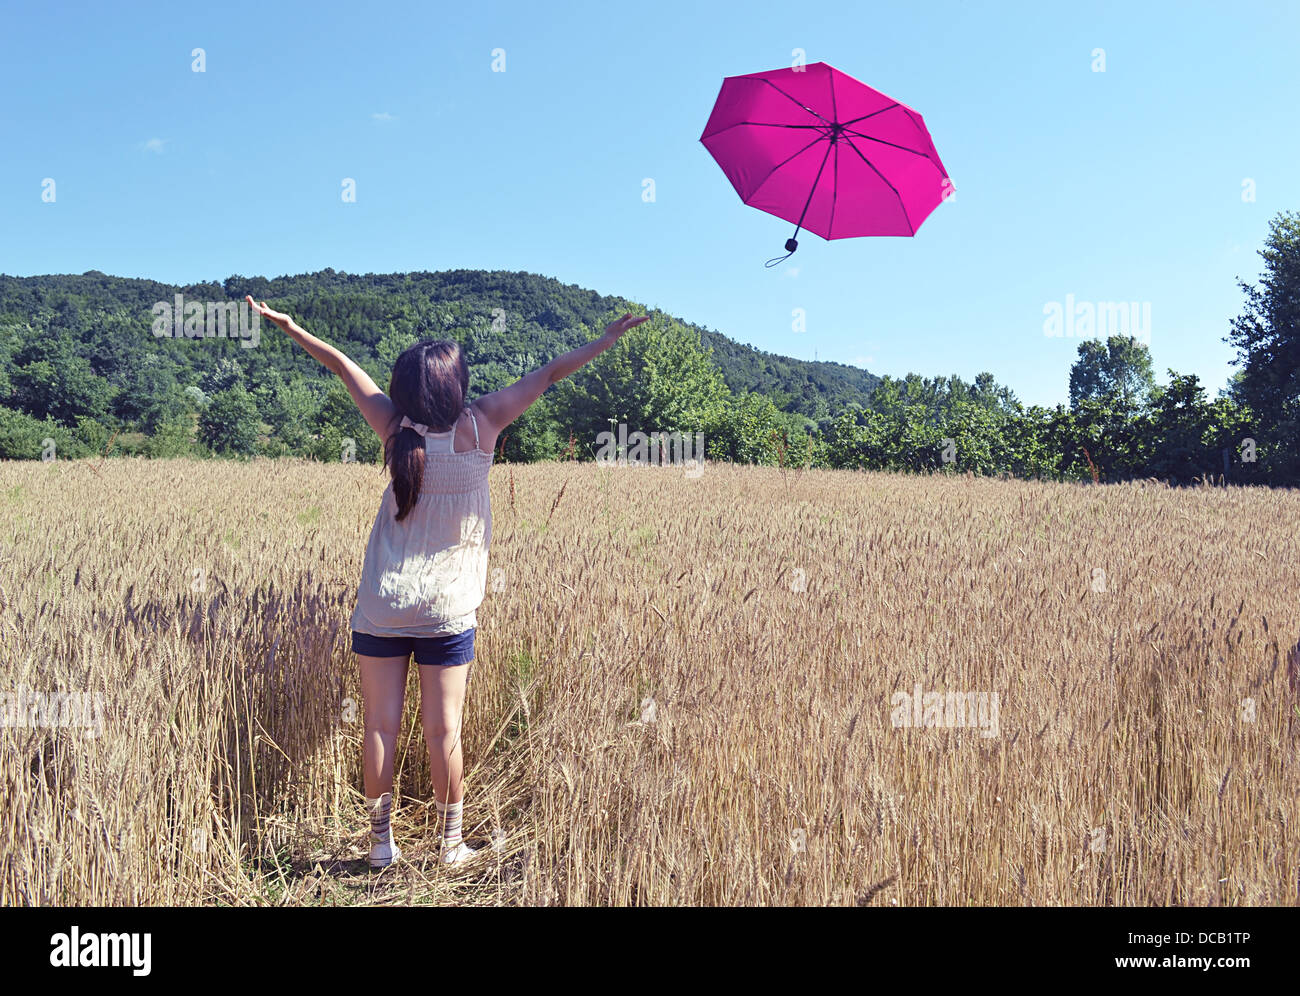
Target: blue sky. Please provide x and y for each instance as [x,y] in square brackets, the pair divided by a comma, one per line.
[1117,186]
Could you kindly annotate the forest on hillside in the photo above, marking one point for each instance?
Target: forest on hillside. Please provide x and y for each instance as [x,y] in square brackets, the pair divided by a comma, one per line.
[96,364]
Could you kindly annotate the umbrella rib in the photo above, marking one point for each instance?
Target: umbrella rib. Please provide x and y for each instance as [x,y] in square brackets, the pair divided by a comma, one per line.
[920,130]
[761,124]
[873,113]
[835,187]
[817,180]
[788,97]
[869,138]
[779,165]
[887,183]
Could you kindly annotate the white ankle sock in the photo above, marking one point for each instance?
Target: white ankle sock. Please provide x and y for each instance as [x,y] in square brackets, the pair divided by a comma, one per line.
[380,811]
[451,814]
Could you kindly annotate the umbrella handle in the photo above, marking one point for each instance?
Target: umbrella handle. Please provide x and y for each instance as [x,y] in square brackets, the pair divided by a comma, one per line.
[790,246]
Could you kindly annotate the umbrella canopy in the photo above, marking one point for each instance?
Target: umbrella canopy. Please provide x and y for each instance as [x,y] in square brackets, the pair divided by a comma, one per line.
[816,147]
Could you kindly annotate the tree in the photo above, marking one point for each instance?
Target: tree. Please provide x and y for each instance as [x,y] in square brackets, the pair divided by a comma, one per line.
[391,345]
[22,437]
[1232,389]
[289,408]
[148,392]
[1108,434]
[1181,432]
[658,378]
[224,374]
[174,437]
[1267,338]
[230,424]
[745,432]
[55,379]
[344,432]
[1117,370]
[987,392]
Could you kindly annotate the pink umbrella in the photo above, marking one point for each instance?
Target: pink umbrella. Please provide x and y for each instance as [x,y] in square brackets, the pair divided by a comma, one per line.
[816,147]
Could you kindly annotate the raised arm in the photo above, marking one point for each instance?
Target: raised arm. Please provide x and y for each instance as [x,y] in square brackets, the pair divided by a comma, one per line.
[379,412]
[502,407]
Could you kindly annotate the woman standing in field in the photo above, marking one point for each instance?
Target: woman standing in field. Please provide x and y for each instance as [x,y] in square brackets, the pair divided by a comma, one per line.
[425,568]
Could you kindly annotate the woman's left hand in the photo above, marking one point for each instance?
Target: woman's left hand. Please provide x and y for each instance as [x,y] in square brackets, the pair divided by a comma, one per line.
[278,317]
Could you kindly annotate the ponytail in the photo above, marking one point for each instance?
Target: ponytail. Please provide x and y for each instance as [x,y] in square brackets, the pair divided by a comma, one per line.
[429,386]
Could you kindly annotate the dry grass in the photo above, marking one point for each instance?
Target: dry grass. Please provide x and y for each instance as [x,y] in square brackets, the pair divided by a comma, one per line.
[682,693]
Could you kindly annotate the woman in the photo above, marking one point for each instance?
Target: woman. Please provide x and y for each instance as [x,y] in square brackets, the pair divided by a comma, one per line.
[425,567]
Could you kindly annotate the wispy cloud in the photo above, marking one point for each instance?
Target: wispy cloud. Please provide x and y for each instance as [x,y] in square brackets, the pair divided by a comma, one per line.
[384,116]
[155,145]
[862,361]
[792,272]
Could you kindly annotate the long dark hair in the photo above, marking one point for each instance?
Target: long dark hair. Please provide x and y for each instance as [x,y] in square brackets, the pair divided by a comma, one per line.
[429,385]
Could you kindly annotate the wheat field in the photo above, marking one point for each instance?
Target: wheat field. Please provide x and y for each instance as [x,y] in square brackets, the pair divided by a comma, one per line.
[686,691]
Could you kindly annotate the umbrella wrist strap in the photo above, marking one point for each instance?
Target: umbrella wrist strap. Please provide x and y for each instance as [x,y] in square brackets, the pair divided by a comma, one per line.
[790,246]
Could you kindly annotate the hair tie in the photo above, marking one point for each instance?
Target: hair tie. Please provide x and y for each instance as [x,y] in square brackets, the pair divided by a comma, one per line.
[417,426]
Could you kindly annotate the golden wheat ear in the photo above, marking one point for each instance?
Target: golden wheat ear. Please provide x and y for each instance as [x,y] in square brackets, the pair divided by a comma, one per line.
[1293,670]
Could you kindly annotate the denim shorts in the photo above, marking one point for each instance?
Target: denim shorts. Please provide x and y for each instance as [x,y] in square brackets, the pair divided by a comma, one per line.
[440,651]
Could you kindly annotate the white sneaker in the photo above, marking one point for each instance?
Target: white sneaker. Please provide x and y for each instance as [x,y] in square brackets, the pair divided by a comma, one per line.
[383,851]
[455,855]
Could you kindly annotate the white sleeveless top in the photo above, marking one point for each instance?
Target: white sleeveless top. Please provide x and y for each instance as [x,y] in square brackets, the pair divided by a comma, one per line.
[425,576]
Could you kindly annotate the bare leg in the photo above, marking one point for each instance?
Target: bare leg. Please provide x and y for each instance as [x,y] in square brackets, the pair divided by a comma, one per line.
[442,703]
[383,685]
